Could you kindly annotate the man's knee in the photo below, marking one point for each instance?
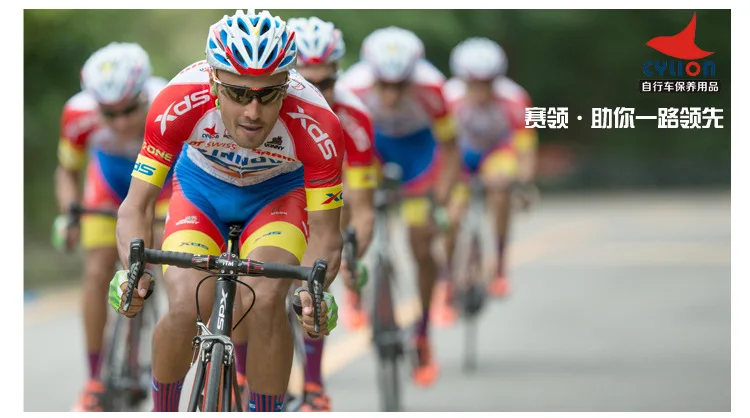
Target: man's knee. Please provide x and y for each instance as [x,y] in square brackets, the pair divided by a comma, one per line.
[270,294]
[100,265]
[421,244]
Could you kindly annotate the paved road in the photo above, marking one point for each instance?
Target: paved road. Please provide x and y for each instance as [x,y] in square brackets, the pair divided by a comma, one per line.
[620,302]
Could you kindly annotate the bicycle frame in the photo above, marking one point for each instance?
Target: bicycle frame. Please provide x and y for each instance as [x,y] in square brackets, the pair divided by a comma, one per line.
[214,342]
[468,268]
[386,334]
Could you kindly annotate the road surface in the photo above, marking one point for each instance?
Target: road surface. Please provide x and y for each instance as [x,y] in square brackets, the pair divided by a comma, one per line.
[620,302]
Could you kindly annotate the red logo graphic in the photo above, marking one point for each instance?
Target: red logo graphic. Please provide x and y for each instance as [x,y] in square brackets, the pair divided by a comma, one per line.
[211,131]
[681,46]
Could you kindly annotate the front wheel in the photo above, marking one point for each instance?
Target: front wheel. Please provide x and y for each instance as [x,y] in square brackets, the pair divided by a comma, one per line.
[215,369]
[389,384]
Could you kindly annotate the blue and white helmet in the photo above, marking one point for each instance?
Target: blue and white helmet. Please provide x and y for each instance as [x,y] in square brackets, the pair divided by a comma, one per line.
[319,42]
[478,59]
[116,72]
[392,53]
[254,44]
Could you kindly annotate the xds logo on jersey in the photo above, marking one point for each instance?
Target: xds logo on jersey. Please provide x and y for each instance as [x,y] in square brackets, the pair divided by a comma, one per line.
[325,143]
[183,106]
[334,197]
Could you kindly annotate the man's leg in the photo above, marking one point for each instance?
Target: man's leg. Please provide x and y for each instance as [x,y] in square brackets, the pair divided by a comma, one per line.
[416,213]
[276,234]
[191,221]
[497,171]
[98,240]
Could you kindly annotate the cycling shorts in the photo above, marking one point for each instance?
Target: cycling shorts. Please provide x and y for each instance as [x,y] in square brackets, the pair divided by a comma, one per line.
[202,207]
[500,161]
[420,160]
[107,183]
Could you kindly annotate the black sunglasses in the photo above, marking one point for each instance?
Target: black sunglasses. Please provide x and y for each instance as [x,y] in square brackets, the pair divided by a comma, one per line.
[110,114]
[325,84]
[244,95]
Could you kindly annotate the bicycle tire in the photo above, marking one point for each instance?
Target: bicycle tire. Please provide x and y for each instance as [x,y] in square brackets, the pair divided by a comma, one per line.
[198,383]
[215,369]
[389,385]
[111,367]
[386,337]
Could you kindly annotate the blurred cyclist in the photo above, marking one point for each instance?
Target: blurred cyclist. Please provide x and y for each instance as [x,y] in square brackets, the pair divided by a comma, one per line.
[320,48]
[106,119]
[260,146]
[414,130]
[492,137]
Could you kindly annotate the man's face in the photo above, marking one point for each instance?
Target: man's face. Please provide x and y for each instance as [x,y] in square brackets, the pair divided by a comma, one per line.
[479,91]
[249,105]
[323,76]
[126,119]
[391,94]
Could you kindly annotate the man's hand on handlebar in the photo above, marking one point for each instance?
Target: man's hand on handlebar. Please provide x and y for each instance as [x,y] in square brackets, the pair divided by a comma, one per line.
[329,313]
[119,285]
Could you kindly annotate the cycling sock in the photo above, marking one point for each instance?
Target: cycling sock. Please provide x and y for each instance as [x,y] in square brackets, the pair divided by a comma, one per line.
[166,396]
[265,403]
[500,258]
[423,322]
[313,360]
[240,355]
[94,363]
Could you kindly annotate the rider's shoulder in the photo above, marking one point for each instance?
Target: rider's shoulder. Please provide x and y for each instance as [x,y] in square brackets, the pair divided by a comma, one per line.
[344,97]
[81,102]
[507,89]
[196,73]
[357,77]
[426,74]
[454,89]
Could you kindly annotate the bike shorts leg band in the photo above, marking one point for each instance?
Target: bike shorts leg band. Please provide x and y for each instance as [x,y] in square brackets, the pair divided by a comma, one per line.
[282,223]
[97,231]
[500,162]
[415,211]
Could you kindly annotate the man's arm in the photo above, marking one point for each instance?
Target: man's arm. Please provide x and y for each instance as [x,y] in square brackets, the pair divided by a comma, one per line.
[136,216]
[362,216]
[325,241]
[67,188]
[449,171]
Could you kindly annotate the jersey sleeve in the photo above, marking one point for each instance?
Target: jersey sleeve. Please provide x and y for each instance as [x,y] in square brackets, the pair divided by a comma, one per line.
[76,125]
[358,131]
[319,143]
[430,81]
[517,98]
[170,121]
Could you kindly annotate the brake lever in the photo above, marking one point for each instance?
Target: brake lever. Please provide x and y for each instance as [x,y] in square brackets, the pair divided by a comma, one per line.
[136,270]
[316,281]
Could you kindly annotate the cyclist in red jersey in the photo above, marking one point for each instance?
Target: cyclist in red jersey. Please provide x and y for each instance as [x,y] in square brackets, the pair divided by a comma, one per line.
[104,122]
[321,47]
[259,145]
[494,141]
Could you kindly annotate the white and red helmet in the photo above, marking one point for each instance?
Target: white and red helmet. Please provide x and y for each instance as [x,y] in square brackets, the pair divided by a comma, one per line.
[254,44]
[478,59]
[392,53]
[318,41]
[116,73]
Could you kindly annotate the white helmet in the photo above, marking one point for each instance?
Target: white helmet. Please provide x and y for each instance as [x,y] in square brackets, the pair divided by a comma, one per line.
[392,53]
[478,59]
[116,72]
[255,44]
[319,42]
